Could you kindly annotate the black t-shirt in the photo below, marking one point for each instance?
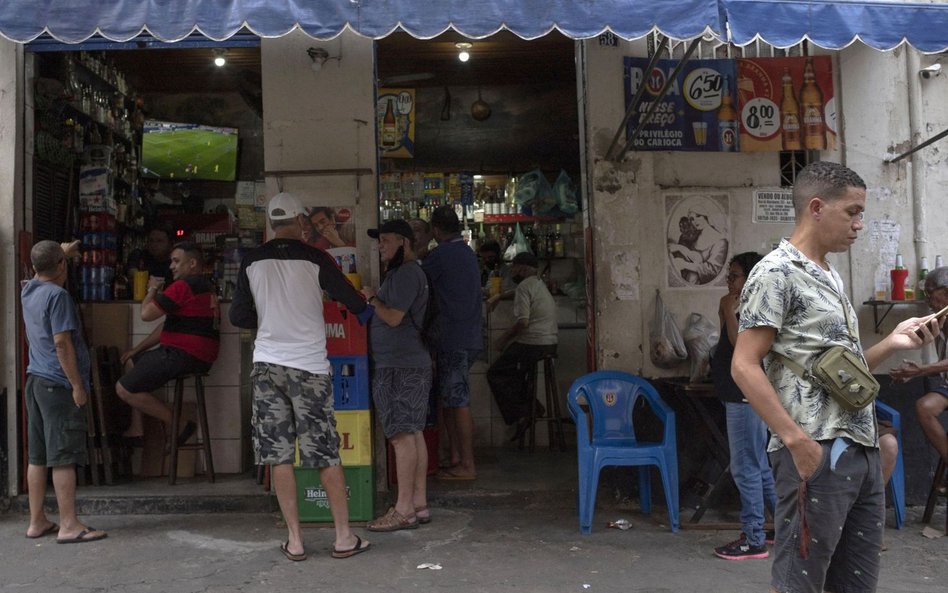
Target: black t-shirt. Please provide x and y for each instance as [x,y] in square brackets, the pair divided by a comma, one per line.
[142,260]
[724,386]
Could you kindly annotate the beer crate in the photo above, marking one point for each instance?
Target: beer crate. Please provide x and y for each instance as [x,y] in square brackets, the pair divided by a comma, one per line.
[344,335]
[350,382]
[355,438]
[312,501]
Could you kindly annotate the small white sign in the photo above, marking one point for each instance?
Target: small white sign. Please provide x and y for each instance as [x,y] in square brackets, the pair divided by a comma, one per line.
[244,195]
[774,207]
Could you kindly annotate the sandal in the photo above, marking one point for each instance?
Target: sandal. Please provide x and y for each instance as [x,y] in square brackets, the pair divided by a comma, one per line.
[422,520]
[392,521]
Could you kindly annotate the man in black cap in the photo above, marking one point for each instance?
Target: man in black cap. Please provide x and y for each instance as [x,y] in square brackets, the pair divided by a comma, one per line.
[532,336]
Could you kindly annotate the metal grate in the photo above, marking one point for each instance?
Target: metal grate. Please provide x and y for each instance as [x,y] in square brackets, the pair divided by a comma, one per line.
[51,191]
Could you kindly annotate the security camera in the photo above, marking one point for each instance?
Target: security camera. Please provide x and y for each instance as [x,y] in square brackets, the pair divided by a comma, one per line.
[930,71]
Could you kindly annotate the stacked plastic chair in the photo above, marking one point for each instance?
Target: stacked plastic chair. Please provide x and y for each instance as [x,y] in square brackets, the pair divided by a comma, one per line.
[605,436]
[897,481]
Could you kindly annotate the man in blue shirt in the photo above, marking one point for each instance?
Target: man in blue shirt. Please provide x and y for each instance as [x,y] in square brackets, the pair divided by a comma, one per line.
[57,388]
[455,279]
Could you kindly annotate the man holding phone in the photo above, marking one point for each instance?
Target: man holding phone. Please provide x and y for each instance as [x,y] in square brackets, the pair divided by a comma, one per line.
[827,471]
[935,401]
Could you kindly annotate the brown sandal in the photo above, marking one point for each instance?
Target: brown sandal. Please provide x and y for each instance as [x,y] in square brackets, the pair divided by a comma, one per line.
[392,521]
[422,520]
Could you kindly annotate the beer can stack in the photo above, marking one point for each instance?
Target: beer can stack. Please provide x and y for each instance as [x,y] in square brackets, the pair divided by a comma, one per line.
[97,210]
[347,345]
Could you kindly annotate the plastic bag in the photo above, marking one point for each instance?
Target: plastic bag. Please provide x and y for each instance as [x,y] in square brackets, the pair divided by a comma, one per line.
[565,195]
[534,192]
[700,335]
[666,346]
[519,244]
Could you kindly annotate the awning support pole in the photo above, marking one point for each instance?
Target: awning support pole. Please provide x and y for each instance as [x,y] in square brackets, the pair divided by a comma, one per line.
[661,95]
[635,100]
[934,138]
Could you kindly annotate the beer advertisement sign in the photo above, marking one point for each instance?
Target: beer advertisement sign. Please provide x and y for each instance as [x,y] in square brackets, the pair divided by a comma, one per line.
[786,103]
[699,112]
[395,112]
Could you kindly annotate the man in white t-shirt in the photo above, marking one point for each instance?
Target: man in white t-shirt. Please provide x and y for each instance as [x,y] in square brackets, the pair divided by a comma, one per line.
[280,294]
[532,336]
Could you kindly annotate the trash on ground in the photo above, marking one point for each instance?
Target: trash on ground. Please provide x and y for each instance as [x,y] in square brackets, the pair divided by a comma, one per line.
[429,566]
[622,524]
[932,533]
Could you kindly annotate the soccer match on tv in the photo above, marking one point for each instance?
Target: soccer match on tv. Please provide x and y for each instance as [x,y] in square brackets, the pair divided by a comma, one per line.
[188,151]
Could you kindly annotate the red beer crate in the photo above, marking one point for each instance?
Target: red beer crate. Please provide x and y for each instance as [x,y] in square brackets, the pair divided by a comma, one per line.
[344,335]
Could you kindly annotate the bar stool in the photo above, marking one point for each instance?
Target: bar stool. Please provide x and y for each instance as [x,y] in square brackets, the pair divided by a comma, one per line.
[205,442]
[553,417]
[938,479]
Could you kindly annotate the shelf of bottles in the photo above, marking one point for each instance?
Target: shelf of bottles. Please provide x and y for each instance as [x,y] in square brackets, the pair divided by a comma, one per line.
[98,227]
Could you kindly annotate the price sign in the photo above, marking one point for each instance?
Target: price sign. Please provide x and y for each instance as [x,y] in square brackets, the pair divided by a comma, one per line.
[702,89]
[761,118]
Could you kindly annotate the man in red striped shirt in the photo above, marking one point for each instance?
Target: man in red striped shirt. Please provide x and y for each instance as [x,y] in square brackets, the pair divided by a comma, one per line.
[187,340]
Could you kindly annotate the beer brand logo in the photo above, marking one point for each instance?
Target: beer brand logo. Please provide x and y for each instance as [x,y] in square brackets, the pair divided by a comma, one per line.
[727,137]
[336,330]
[609,398]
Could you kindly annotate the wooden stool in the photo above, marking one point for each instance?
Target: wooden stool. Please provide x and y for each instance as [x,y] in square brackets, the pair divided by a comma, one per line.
[205,442]
[553,416]
[933,495]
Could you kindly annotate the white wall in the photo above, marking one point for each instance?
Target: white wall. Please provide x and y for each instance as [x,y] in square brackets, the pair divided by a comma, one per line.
[627,201]
[323,120]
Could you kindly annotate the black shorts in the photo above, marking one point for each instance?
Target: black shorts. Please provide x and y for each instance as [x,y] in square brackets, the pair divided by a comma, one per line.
[156,367]
[56,426]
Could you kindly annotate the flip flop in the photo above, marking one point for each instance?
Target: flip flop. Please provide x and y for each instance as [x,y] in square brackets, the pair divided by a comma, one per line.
[447,474]
[358,549]
[48,531]
[81,538]
[284,547]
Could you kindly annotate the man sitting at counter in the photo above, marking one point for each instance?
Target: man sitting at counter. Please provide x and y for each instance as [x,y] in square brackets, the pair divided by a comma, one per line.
[187,340]
[532,336]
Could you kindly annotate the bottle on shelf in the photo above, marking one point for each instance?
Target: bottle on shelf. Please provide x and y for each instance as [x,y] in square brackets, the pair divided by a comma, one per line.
[559,243]
[939,262]
[898,275]
[922,275]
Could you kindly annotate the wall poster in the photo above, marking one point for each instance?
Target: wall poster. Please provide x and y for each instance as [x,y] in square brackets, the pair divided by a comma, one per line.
[395,112]
[333,230]
[786,103]
[699,113]
[774,207]
[697,230]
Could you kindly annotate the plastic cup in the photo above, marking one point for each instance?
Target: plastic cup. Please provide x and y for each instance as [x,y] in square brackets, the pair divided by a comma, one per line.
[495,285]
[355,280]
[139,284]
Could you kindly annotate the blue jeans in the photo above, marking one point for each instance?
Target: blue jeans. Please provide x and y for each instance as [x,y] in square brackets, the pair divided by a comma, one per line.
[747,439]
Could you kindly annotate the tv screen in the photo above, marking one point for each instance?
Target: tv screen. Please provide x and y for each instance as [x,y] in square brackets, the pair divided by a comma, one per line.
[188,151]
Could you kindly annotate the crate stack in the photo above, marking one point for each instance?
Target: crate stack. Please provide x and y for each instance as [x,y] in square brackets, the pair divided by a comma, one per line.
[347,345]
[97,210]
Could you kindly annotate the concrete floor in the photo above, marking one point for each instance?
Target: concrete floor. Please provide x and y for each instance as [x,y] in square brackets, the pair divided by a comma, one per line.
[515,528]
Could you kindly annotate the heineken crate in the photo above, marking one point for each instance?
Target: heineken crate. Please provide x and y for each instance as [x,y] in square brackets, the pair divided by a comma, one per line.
[312,501]
[350,382]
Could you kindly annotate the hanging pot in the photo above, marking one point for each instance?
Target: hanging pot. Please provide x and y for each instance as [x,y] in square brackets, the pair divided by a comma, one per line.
[480,110]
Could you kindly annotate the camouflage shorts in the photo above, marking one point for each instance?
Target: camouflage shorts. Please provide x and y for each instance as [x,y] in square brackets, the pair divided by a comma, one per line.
[291,404]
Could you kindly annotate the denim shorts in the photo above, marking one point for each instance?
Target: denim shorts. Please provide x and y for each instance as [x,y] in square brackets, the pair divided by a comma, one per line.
[289,405]
[454,367]
[844,509]
[56,427]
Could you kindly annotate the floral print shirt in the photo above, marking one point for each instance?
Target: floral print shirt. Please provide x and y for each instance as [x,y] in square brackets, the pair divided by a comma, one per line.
[790,293]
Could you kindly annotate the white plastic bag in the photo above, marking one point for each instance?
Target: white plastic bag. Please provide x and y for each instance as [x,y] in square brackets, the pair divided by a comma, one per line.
[519,244]
[666,346]
[700,335]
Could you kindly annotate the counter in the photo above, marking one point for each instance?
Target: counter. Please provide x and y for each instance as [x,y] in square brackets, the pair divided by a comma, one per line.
[226,390]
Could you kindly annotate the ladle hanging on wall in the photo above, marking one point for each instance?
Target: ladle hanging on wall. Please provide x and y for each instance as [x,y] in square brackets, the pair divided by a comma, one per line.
[480,109]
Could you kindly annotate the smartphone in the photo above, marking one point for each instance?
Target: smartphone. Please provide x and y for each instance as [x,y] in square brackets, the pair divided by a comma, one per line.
[938,316]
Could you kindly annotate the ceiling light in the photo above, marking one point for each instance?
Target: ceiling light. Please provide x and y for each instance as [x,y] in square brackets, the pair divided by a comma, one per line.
[463,53]
[319,56]
[219,57]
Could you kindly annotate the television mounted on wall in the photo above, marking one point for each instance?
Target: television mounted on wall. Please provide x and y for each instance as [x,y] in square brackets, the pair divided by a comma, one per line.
[182,151]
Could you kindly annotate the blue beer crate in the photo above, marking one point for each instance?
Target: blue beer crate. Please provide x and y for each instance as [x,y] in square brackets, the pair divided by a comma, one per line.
[350,382]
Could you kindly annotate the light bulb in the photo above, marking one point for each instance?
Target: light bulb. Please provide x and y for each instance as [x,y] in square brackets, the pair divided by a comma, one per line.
[219,61]
[464,56]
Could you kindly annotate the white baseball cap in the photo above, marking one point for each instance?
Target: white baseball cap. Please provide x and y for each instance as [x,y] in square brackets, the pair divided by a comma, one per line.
[284,206]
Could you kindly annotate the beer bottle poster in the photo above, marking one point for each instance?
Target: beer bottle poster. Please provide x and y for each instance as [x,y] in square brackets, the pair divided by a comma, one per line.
[395,114]
[699,112]
[786,103]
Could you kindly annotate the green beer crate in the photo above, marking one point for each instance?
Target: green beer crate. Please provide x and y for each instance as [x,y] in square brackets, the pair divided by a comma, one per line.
[312,501]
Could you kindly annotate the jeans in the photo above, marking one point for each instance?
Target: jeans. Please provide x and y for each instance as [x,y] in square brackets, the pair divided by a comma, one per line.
[750,468]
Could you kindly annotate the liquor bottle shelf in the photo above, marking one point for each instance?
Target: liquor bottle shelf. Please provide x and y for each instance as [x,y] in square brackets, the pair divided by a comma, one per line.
[512,218]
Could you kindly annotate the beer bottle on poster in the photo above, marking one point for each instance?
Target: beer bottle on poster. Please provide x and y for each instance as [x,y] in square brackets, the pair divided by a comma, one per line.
[790,115]
[727,119]
[388,126]
[811,99]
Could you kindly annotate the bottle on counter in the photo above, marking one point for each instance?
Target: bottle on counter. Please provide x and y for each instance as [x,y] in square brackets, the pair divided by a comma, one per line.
[922,275]
[939,262]
[898,275]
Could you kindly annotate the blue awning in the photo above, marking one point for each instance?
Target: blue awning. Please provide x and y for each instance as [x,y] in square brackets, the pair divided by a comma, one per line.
[73,21]
[835,24]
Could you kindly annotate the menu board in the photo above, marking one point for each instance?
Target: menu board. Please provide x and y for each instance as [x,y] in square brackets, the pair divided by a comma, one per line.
[786,103]
[699,112]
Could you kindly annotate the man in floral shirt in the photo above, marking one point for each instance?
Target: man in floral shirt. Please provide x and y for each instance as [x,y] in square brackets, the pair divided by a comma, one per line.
[831,506]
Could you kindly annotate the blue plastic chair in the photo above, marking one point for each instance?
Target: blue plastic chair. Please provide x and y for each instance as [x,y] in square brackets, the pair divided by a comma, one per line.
[611,398]
[897,481]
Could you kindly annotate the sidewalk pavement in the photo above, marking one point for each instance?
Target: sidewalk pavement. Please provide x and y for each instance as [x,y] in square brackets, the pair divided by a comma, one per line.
[535,547]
